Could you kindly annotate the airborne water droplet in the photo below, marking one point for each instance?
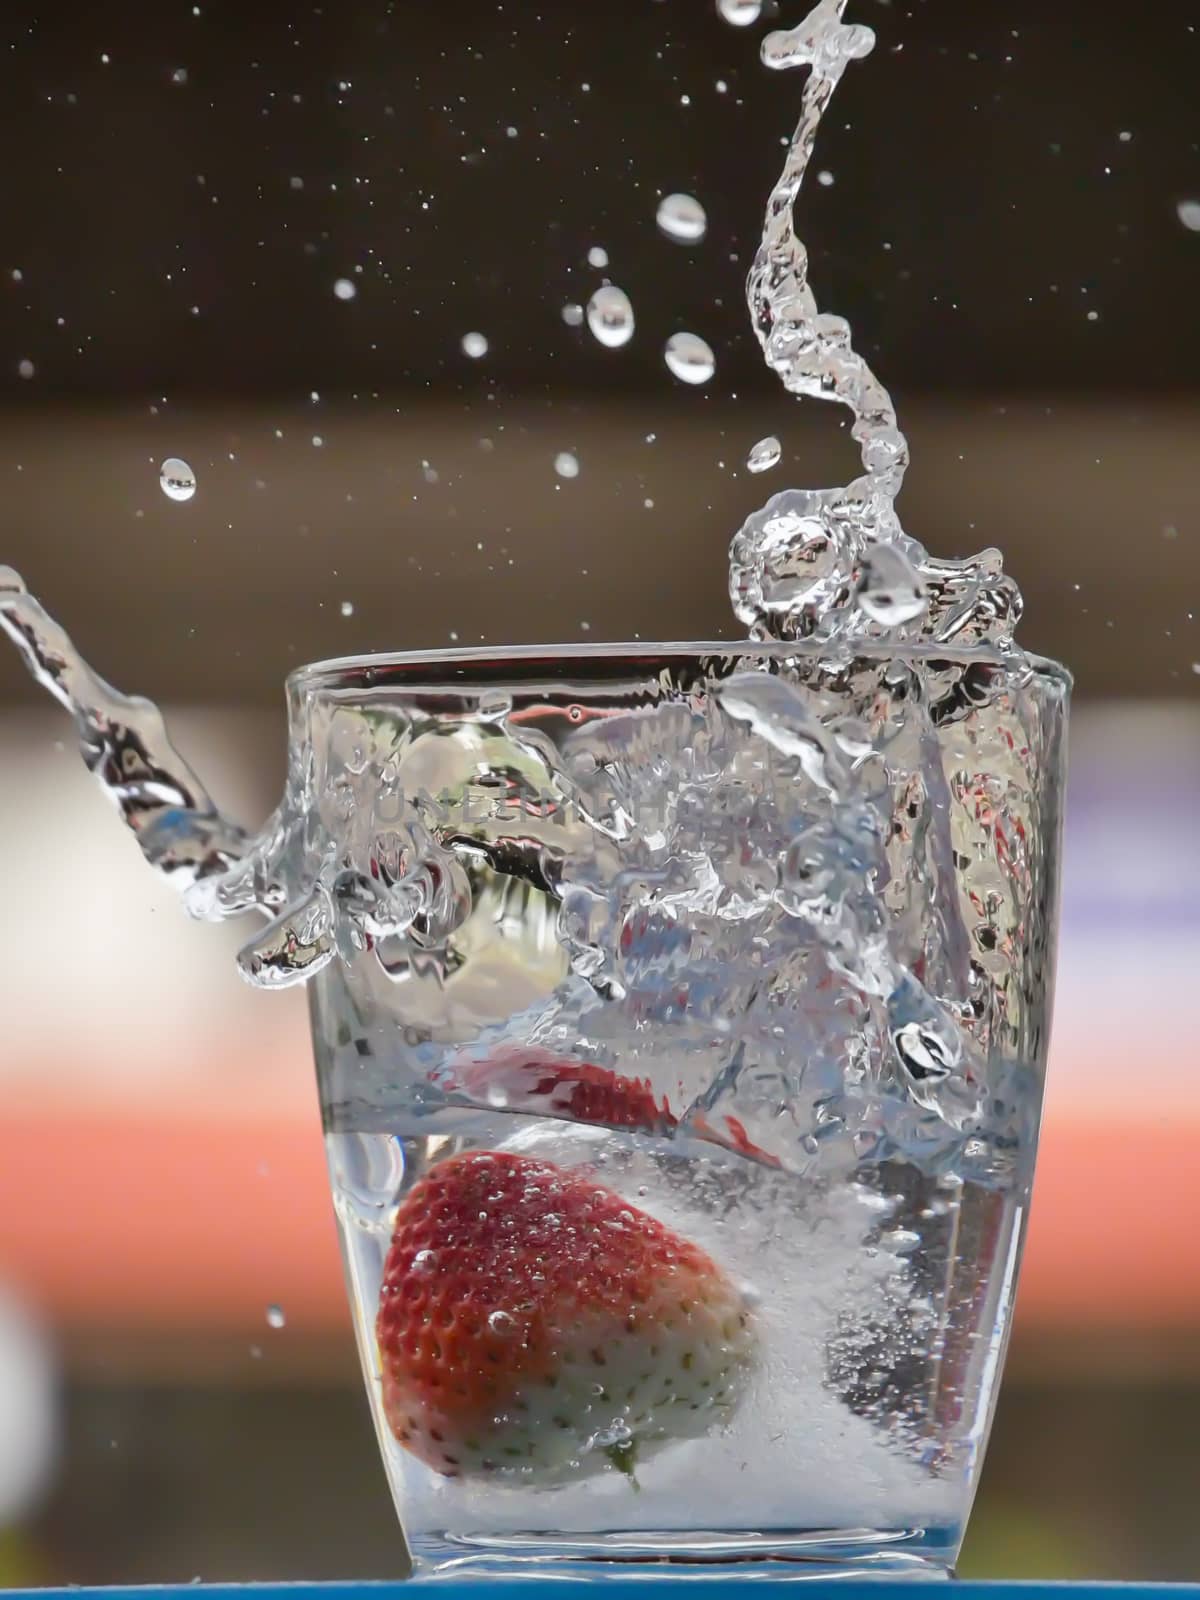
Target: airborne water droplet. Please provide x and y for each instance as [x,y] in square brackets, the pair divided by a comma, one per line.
[25,369]
[474,345]
[347,608]
[1188,212]
[688,358]
[765,455]
[610,316]
[598,257]
[177,479]
[572,314]
[344,289]
[682,218]
[741,13]
[276,1316]
[566,464]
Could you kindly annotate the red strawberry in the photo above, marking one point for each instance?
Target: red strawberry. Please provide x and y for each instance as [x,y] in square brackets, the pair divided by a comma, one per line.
[735,1138]
[531,1079]
[536,1324]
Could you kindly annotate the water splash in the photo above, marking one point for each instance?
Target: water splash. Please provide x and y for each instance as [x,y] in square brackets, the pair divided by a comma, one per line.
[809,563]
[831,564]
[123,740]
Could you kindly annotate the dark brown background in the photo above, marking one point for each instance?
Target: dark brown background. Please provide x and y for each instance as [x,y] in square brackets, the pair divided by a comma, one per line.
[983,204]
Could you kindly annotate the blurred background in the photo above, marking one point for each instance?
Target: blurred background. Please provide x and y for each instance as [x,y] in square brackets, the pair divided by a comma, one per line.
[254,236]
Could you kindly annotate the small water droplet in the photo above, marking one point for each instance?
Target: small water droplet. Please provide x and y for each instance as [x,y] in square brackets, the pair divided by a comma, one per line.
[474,345]
[681,217]
[424,1261]
[276,1316]
[765,455]
[295,183]
[344,289]
[610,316]
[180,76]
[1188,212]
[25,368]
[825,178]
[741,13]
[347,608]
[572,314]
[176,478]
[598,257]
[566,464]
[501,1323]
[689,358]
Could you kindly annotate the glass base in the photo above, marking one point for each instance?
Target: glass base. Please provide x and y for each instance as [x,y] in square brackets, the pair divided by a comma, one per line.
[793,1555]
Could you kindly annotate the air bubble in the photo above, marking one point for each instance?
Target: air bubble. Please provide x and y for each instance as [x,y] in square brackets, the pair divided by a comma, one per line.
[474,345]
[344,289]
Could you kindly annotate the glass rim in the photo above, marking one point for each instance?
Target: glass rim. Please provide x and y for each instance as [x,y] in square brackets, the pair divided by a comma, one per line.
[455,666]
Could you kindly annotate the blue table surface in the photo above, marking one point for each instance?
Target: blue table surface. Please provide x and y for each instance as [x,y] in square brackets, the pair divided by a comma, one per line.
[630,1588]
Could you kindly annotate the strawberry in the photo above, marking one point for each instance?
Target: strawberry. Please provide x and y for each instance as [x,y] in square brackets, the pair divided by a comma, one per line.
[734,1138]
[530,1078]
[533,1323]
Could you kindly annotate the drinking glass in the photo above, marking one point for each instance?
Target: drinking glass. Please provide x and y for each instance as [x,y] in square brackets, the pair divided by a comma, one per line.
[681,1070]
